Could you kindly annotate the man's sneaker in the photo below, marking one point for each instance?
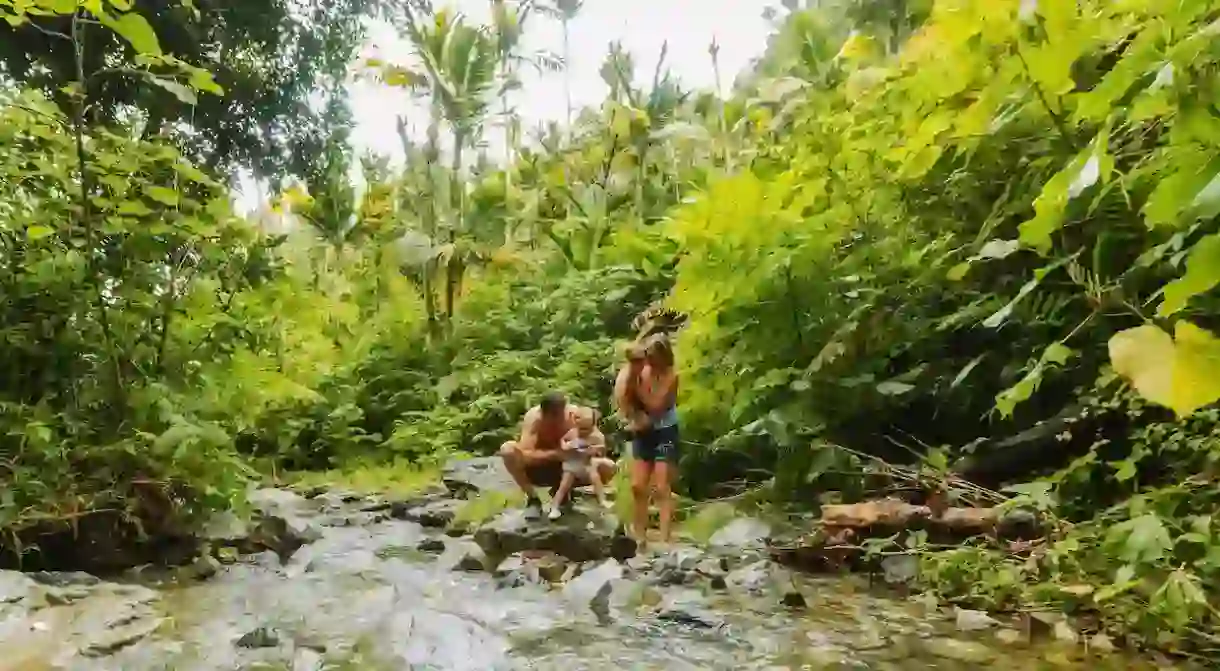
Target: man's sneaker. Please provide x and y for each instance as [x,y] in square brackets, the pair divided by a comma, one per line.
[533,509]
[556,512]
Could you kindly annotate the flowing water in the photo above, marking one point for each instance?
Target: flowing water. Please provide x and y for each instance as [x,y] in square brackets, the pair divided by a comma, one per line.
[364,596]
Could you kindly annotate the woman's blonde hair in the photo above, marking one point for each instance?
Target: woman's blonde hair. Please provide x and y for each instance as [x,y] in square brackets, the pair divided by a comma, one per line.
[658,347]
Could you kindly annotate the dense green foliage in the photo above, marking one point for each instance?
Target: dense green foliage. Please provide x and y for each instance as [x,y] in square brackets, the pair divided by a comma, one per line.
[940,245]
[957,232]
[282,66]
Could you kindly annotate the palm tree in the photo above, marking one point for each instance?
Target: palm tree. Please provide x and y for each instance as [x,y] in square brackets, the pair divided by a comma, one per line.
[459,70]
[508,28]
[568,9]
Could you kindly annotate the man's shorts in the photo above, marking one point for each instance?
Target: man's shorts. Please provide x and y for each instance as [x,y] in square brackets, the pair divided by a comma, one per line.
[656,444]
[545,474]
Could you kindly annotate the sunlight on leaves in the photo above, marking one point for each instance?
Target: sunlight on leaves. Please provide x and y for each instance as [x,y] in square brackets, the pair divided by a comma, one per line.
[1181,372]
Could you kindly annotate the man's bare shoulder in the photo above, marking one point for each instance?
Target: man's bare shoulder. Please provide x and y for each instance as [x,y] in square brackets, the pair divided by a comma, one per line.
[531,418]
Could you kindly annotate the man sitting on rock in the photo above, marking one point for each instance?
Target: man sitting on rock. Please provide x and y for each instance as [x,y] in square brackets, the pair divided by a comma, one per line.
[536,459]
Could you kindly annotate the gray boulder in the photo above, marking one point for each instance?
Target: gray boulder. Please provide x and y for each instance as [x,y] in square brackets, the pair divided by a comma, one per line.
[432,515]
[742,533]
[466,477]
[576,536]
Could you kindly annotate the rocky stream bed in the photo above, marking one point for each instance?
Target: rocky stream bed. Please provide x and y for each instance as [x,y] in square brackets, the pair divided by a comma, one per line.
[332,580]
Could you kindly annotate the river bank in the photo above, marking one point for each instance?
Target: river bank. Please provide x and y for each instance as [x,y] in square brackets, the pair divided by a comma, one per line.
[328,579]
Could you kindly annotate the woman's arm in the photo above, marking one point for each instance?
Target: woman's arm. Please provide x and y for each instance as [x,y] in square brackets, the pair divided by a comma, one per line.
[655,395]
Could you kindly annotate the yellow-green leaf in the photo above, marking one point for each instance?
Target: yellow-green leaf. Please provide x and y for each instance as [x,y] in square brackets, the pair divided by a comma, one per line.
[1202,275]
[134,208]
[135,29]
[1181,373]
[858,47]
[958,272]
[58,6]
[162,195]
[38,232]
[1184,191]
[202,80]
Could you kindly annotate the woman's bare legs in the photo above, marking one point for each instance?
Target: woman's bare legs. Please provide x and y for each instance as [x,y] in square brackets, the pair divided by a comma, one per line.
[641,475]
[662,479]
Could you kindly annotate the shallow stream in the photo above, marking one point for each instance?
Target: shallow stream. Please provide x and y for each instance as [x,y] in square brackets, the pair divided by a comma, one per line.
[373,592]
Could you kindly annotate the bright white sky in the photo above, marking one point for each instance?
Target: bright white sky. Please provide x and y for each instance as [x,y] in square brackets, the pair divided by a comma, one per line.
[642,26]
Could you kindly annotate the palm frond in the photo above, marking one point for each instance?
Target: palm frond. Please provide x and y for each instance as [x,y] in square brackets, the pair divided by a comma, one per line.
[547,61]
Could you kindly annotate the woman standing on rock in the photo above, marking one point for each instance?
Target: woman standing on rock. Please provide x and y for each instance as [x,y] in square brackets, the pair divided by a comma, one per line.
[654,448]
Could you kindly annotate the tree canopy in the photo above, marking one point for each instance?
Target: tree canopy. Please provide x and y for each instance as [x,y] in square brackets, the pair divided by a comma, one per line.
[282,64]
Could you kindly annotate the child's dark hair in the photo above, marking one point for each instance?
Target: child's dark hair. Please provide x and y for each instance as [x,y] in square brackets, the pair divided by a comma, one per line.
[553,402]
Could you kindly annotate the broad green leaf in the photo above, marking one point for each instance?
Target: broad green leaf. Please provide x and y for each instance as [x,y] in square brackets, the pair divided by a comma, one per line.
[1056,354]
[1181,373]
[1124,581]
[182,93]
[1039,493]
[958,272]
[58,6]
[1090,166]
[1048,212]
[1186,191]
[121,5]
[38,232]
[1202,275]
[134,208]
[1143,539]
[202,80]
[138,33]
[1077,590]
[163,195]
[998,249]
[1087,177]
[173,437]
[893,388]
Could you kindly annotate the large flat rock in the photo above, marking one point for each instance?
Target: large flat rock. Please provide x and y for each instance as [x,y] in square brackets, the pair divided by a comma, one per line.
[467,477]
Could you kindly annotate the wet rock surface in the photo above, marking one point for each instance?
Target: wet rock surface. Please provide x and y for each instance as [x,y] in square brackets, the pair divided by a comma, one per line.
[581,535]
[381,592]
[466,477]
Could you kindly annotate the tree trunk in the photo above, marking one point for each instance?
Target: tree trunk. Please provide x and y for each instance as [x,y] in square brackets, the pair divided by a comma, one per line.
[459,218]
[429,215]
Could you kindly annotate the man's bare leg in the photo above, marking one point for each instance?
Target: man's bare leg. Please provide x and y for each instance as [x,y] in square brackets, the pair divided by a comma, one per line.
[514,463]
[561,495]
